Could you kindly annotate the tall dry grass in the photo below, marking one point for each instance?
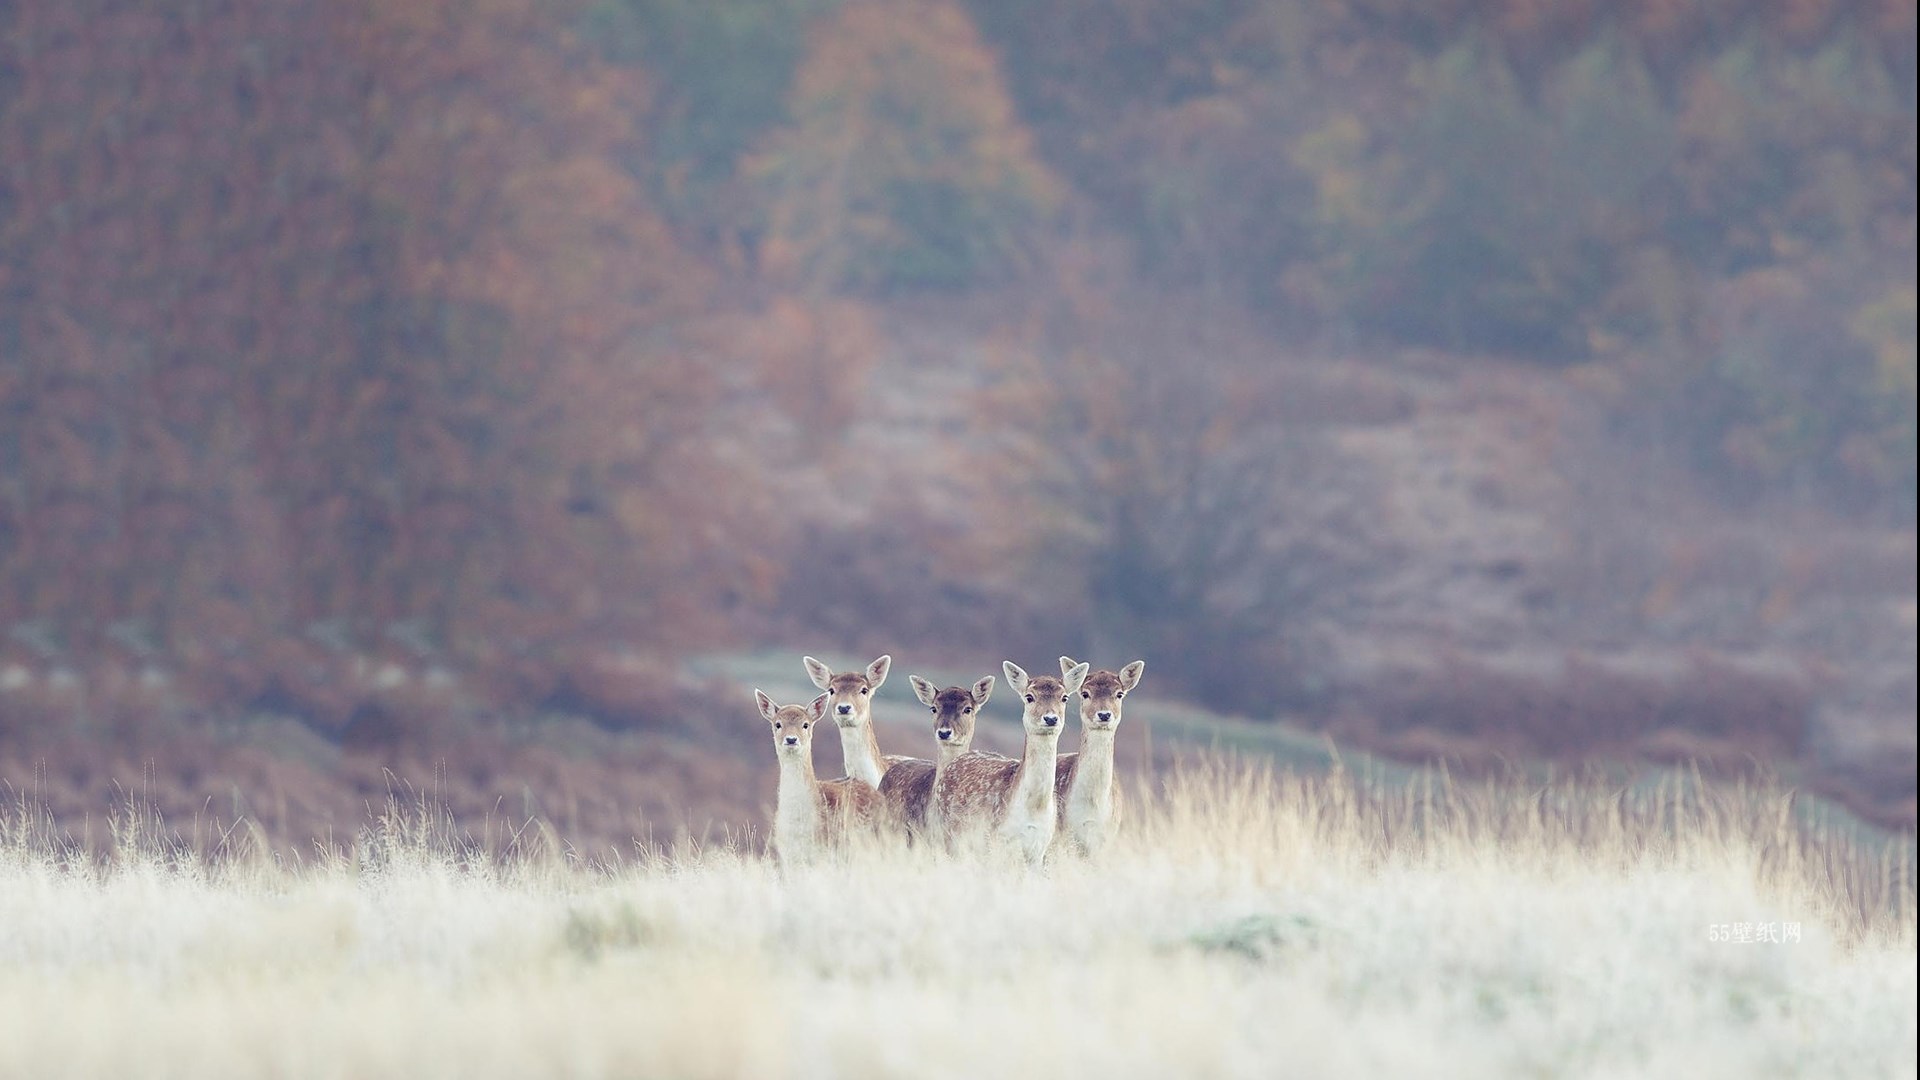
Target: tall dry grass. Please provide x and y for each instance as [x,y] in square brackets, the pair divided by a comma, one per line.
[1246,924]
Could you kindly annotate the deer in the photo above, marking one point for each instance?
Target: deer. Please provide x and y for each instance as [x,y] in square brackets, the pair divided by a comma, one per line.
[809,813]
[1014,798]
[1083,784]
[909,785]
[852,710]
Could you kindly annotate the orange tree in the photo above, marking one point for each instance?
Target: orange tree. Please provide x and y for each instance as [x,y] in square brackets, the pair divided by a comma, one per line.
[905,164]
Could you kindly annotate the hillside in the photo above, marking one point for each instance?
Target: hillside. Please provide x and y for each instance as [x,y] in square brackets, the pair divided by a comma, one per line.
[1452,557]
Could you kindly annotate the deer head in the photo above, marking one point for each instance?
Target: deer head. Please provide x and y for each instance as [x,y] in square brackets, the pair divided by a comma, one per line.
[1045,696]
[850,692]
[1102,693]
[954,710]
[792,725]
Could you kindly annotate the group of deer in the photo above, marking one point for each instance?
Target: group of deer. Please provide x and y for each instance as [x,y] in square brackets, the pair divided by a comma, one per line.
[1022,802]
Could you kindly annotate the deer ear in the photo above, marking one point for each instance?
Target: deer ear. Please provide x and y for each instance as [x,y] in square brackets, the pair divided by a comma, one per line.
[1016,678]
[1076,676]
[817,708]
[982,690]
[922,689]
[1066,665]
[877,672]
[820,673]
[1130,675]
[767,707]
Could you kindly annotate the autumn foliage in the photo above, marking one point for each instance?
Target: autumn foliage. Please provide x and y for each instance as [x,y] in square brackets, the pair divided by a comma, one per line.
[340,330]
[905,165]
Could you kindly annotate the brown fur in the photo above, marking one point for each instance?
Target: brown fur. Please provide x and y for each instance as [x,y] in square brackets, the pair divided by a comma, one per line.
[1102,695]
[853,691]
[836,805]
[909,785]
[1100,688]
[846,684]
[1063,772]
[846,802]
[907,790]
[980,789]
[976,787]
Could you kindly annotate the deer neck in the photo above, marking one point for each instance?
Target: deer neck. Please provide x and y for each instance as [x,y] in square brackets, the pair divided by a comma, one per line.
[861,750]
[1093,775]
[796,813]
[1033,783]
[945,755]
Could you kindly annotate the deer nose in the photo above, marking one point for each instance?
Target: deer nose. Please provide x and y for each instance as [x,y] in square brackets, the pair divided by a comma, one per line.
[1104,715]
[1050,720]
[945,733]
[793,740]
[845,709]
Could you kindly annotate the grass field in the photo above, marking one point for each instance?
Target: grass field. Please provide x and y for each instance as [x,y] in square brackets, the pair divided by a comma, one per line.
[1248,924]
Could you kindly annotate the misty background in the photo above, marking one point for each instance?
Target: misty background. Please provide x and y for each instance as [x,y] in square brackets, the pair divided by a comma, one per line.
[481,394]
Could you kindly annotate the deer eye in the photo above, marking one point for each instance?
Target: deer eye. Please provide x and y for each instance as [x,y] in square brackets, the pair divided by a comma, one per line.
[1121,694]
[863,691]
[1084,694]
[935,710]
[968,710]
[806,725]
[776,725]
[1029,697]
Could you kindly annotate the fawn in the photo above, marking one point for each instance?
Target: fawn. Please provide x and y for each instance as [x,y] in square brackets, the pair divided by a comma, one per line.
[1083,781]
[1015,798]
[909,786]
[809,813]
[851,694]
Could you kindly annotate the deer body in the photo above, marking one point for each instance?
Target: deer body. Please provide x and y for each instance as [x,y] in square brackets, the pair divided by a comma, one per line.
[1084,782]
[910,785]
[1015,799]
[809,814]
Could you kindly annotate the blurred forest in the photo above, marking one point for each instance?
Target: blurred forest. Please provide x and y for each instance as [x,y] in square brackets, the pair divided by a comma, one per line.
[1465,377]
